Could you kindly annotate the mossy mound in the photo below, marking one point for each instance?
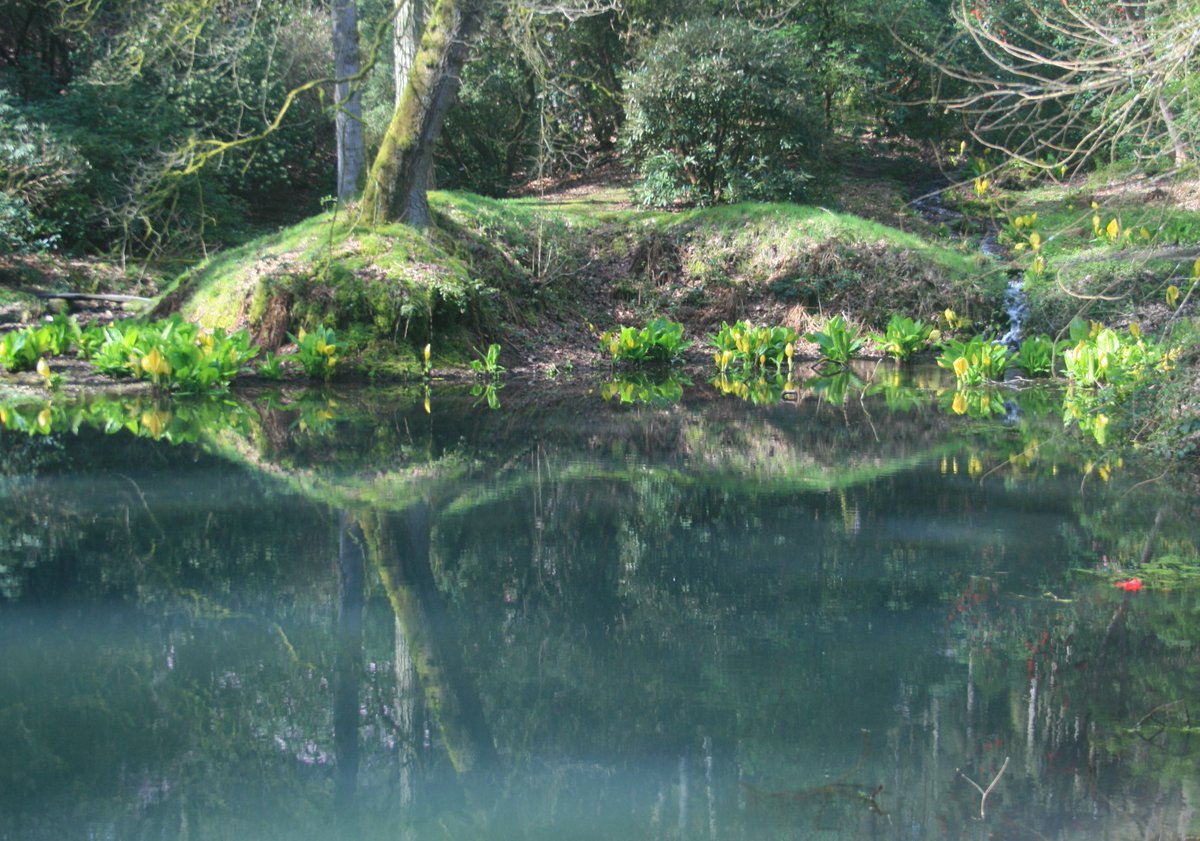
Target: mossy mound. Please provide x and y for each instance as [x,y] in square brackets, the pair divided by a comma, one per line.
[537,276]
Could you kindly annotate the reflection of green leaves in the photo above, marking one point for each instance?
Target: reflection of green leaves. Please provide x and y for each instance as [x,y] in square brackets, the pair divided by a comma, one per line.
[488,392]
[760,389]
[835,388]
[897,395]
[639,388]
[175,421]
[977,402]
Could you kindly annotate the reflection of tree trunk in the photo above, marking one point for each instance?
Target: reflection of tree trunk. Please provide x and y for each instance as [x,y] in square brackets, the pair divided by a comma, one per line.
[399,547]
[347,669]
[408,716]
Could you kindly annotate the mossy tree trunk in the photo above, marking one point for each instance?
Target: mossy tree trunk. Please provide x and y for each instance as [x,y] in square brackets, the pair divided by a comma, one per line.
[398,546]
[399,178]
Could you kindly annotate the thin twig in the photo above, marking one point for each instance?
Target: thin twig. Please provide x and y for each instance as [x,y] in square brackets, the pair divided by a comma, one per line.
[983,793]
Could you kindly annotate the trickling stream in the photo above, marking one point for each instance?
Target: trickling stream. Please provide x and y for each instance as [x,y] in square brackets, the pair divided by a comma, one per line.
[1016,302]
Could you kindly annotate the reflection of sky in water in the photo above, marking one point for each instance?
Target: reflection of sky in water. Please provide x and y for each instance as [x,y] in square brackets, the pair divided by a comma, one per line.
[715,621]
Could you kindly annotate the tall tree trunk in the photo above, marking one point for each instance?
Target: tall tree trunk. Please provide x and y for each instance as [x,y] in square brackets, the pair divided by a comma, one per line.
[411,16]
[351,152]
[347,670]
[410,25]
[399,178]
[398,545]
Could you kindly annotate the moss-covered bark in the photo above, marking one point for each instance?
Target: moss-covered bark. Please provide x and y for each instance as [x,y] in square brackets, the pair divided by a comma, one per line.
[398,180]
[398,545]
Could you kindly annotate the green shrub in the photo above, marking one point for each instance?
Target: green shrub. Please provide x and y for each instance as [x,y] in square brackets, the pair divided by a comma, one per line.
[749,345]
[903,337]
[20,350]
[839,342]
[659,342]
[974,361]
[36,168]
[317,351]
[175,355]
[488,364]
[1101,356]
[716,113]
[1036,356]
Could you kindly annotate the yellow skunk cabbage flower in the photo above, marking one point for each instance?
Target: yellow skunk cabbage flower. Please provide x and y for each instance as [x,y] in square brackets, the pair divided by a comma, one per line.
[1172,295]
[960,367]
[155,364]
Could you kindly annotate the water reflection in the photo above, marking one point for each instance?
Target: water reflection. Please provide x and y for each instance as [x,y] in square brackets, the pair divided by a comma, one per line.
[345,616]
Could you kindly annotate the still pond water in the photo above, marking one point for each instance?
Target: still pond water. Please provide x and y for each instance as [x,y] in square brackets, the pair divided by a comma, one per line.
[844,616]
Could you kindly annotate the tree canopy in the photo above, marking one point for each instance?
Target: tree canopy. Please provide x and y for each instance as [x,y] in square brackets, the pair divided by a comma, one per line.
[176,127]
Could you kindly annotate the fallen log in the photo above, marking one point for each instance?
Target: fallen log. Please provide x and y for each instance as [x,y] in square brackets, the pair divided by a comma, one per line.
[94,296]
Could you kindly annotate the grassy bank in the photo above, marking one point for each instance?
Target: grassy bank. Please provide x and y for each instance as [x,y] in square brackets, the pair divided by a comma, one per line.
[542,277]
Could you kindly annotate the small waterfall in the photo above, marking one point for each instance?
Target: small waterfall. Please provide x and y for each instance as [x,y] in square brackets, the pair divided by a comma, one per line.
[1016,302]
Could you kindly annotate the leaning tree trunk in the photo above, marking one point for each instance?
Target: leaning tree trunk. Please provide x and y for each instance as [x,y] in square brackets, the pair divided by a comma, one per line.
[351,151]
[399,179]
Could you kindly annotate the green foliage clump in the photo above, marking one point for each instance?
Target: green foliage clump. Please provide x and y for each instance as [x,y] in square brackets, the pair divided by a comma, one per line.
[716,113]
[750,345]
[317,351]
[1035,356]
[20,350]
[660,342]
[839,341]
[488,363]
[173,354]
[974,361]
[1101,356]
[903,337]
